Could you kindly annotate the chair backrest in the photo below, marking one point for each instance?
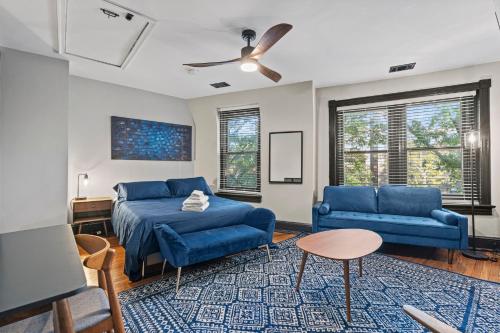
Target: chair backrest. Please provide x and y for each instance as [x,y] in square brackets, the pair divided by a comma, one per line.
[96,246]
[100,258]
[428,321]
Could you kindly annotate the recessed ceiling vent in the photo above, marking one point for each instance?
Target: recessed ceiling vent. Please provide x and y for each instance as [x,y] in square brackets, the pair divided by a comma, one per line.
[220,84]
[399,68]
[101,31]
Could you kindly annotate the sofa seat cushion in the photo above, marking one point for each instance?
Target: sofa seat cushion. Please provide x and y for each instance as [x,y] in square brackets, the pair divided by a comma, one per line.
[392,224]
[214,243]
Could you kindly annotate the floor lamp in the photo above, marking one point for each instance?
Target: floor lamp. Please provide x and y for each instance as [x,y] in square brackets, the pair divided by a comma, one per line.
[472,141]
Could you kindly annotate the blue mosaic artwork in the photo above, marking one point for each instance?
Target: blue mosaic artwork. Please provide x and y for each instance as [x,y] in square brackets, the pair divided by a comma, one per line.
[135,139]
[247,293]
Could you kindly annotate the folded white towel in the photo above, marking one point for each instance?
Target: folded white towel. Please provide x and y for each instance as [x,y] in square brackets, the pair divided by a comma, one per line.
[198,194]
[196,201]
[195,209]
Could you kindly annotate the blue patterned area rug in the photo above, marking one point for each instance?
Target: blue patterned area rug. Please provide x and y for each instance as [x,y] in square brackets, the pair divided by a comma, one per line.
[246,293]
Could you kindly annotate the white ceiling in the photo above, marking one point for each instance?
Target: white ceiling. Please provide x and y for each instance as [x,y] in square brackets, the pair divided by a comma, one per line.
[333,42]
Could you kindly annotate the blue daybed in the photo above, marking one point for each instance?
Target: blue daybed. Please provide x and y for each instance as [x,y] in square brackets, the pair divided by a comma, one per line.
[400,214]
[143,205]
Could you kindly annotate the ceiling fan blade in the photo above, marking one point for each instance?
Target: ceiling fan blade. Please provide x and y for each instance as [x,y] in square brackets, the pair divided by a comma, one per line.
[269,38]
[208,64]
[275,76]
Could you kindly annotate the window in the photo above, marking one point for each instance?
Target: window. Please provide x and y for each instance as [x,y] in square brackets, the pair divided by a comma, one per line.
[418,144]
[239,146]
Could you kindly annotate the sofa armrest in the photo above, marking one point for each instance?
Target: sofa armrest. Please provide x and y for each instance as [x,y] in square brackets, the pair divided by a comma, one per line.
[172,246]
[463,225]
[444,216]
[315,216]
[263,219]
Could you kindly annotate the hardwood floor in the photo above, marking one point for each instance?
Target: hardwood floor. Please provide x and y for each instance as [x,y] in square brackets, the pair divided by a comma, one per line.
[122,282]
[486,270]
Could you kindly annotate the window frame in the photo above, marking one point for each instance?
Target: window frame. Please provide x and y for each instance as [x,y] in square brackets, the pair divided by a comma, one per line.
[246,194]
[482,90]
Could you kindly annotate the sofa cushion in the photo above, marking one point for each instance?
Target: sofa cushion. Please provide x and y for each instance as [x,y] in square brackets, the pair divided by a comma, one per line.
[351,198]
[214,243]
[409,201]
[392,224]
[324,208]
[444,216]
[142,190]
[185,186]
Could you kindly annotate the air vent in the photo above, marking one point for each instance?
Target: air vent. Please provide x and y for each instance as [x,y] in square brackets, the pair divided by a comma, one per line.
[400,68]
[220,84]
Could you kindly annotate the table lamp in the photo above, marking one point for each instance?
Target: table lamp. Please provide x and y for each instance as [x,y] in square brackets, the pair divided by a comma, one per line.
[85,183]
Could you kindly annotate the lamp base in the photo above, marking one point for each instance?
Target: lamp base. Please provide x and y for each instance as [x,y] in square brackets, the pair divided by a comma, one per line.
[80,198]
[474,254]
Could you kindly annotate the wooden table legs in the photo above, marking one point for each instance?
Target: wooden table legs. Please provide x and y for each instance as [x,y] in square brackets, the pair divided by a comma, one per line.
[63,322]
[347,287]
[360,263]
[347,284]
[301,271]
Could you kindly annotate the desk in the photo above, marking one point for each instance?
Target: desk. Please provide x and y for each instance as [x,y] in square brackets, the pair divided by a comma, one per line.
[38,267]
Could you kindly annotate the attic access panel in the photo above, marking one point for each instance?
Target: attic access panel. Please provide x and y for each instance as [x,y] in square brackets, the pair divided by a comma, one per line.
[103,31]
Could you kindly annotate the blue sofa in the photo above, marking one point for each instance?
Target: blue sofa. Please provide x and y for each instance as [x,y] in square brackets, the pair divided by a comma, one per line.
[195,247]
[400,214]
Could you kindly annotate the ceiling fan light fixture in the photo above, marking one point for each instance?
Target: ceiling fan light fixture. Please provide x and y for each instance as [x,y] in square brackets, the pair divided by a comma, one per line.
[248,65]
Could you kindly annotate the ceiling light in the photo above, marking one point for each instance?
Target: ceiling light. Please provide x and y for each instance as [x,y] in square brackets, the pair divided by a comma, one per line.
[248,65]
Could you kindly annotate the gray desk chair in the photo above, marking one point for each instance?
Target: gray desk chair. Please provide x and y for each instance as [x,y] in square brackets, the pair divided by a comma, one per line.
[94,310]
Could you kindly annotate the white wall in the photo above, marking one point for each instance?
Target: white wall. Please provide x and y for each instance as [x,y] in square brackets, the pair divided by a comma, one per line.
[486,225]
[283,108]
[33,140]
[92,103]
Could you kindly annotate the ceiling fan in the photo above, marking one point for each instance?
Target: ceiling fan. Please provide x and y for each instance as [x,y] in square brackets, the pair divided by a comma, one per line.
[250,55]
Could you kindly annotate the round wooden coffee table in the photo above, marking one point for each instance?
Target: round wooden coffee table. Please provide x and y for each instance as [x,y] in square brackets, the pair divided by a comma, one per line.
[341,244]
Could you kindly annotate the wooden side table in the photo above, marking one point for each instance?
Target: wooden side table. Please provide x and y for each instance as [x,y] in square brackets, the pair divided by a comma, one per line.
[92,210]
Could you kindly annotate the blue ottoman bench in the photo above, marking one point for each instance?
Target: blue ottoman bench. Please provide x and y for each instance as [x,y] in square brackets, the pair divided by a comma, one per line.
[195,247]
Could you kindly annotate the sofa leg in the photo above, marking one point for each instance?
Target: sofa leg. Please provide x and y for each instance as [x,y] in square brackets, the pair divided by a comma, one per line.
[163,267]
[450,256]
[268,252]
[178,279]
[144,263]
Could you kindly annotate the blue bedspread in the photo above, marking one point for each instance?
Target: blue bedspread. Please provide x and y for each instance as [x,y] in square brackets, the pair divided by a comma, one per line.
[133,223]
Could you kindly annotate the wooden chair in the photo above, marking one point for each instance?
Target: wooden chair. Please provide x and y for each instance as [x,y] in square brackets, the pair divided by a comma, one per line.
[94,310]
[428,321]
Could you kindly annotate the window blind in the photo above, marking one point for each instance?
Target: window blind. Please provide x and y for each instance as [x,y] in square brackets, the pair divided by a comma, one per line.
[415,144]
[239,147]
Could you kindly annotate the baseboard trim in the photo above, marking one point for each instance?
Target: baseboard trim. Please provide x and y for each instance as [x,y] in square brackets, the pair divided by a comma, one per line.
[487,243]
[293,226]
